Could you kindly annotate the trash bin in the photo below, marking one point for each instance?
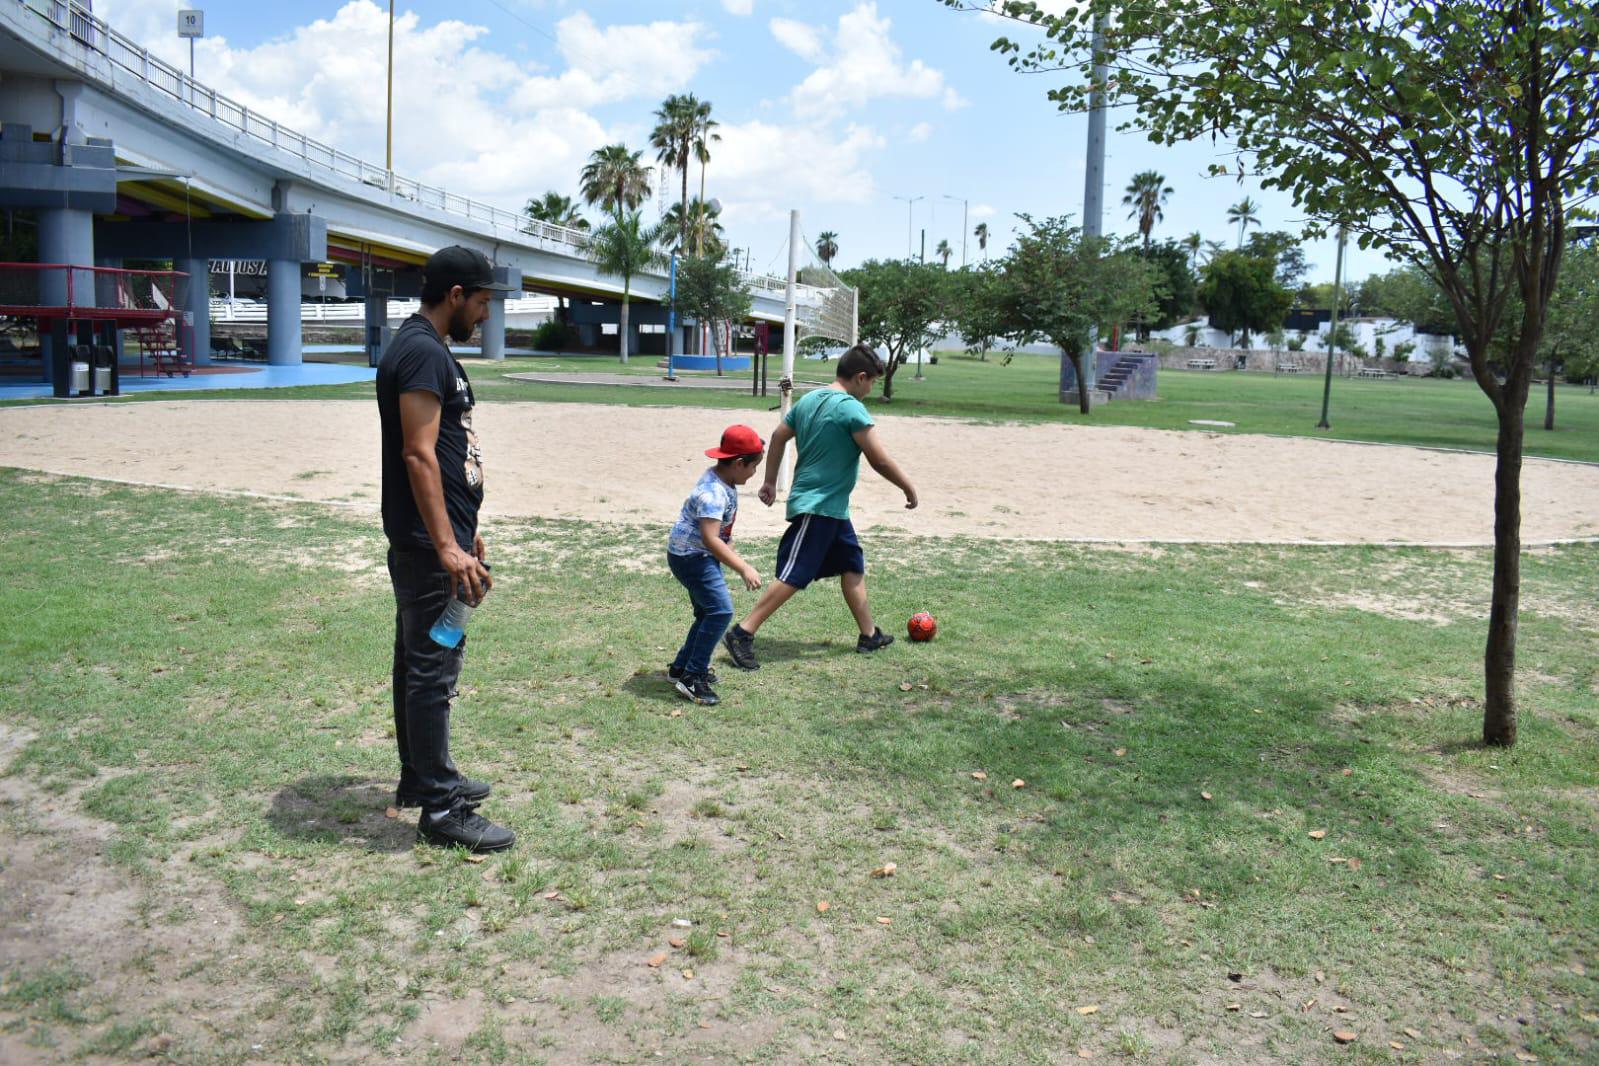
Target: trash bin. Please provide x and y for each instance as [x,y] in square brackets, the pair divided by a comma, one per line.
[102,379]
[80,377]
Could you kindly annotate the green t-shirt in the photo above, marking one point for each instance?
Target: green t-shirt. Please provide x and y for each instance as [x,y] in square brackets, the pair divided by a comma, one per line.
[825,422]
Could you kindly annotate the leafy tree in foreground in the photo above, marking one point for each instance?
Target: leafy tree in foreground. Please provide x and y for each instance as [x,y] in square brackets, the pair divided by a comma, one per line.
[1455,135]
[900,301]
[1242,295]
[624,246]
[1062,286]
[711,290]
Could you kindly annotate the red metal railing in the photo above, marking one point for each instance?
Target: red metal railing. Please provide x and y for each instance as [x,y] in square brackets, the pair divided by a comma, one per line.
[48,291]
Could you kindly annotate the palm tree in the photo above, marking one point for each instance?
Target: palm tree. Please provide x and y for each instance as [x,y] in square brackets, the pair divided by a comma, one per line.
[699,230]
[1245,212]
[827,247]
[555,209]
[944,251]
[677,121]
[624,246]
[981,233]
[1193,242]
[704,134]
[1213,249]
[1145,193]
[616,179]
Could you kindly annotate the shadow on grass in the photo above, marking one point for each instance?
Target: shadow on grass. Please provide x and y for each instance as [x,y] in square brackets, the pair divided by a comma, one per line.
[343,810]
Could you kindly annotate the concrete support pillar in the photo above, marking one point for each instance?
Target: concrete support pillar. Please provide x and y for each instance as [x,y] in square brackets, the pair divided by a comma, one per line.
[493,331]
[197,309]
[377,328]
[283,313]
[67,236]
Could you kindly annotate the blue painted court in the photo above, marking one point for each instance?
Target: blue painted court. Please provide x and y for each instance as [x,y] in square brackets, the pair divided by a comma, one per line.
[222,375]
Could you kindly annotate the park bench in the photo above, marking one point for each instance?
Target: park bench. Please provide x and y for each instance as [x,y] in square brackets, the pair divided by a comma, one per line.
[1201,364]
[1287,368]
[1373,372]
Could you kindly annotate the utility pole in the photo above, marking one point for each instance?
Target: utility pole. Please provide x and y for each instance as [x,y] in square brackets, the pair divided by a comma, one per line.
[964,205]
[1332,327]
[1093,195]
[388,150]
[910,203]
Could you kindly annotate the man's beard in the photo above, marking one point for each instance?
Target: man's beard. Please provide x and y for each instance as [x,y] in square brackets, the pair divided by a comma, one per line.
[461,327]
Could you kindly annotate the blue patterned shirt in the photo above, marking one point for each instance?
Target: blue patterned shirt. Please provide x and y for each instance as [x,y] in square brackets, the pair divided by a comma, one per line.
[712,498]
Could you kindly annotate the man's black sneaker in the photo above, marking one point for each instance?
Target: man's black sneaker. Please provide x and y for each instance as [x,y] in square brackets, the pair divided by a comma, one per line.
[698,689]
[463,827]
[866,645]
[673,673]
[470,792]
[741,649]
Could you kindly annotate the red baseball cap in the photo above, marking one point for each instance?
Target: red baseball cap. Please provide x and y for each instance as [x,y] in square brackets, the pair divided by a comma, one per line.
[737,441]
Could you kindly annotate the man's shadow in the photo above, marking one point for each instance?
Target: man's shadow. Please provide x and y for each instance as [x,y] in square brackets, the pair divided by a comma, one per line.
[340,809]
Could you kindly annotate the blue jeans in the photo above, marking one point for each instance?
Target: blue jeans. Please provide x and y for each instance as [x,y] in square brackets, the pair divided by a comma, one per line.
[424,678]
[713,609]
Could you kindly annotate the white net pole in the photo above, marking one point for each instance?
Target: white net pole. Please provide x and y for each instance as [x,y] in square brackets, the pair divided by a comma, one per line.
[785,387]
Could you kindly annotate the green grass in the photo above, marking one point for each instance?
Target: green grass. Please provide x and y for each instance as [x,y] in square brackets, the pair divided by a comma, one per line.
[224,709]
[1421,411]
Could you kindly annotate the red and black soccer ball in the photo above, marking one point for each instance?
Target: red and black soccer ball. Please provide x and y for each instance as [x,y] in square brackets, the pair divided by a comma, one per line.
[922,626]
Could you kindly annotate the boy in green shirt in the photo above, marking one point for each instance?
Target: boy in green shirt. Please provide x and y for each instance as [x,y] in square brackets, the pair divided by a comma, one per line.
[832,430]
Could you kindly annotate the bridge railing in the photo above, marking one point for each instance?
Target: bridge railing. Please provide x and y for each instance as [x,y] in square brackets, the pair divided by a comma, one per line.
[81,26]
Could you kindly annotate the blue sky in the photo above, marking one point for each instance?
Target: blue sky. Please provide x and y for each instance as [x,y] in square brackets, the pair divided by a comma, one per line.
[831,106]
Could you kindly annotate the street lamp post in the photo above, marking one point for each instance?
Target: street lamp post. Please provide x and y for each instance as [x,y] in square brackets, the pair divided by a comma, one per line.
[963,203]
[910,203]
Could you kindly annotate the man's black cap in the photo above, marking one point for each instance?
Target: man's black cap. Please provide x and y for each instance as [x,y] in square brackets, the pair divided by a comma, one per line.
[457,265]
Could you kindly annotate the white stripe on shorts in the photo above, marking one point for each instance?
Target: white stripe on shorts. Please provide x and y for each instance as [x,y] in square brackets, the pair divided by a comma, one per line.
[799,539]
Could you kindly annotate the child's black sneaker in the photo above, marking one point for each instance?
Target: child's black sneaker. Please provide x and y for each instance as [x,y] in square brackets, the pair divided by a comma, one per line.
[673,673]
[866,645]
[741,649]
[694,687]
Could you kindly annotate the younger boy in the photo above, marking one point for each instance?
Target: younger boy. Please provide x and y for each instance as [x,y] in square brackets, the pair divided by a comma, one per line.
[701,543]
[832,431]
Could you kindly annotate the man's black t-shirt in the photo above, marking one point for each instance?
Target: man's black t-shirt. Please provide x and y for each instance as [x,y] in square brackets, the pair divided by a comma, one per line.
[416,358]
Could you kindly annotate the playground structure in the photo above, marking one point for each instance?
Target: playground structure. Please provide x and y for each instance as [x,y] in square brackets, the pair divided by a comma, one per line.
[79,315]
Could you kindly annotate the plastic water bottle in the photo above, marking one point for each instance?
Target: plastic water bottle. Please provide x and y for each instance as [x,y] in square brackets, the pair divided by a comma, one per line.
[450,628]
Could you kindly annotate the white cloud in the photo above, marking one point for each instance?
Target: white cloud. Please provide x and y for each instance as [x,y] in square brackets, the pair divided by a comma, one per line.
[981,211]
[739,7]
[861,62]
[919,132]
[791,165]
[616,63]
[466,117]
[801,38]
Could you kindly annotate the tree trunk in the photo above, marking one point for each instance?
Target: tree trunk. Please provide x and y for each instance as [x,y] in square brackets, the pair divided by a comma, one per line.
[682,236]
[1549,408]
[888,373]
[623,338]
[1083,404]
[1499,659]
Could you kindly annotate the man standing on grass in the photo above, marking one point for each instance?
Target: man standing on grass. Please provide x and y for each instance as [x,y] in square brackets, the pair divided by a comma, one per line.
[432,490]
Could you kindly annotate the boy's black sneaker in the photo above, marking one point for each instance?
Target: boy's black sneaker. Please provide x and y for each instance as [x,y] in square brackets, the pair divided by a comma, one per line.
[470,792]
[741,649]
[673,673]
[698,689]
[866,645]
[463,827]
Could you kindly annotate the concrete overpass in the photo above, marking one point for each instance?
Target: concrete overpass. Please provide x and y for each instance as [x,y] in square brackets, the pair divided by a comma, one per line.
[122,155]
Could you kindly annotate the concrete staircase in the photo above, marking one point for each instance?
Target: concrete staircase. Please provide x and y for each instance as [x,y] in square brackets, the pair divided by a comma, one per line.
[1116,378]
